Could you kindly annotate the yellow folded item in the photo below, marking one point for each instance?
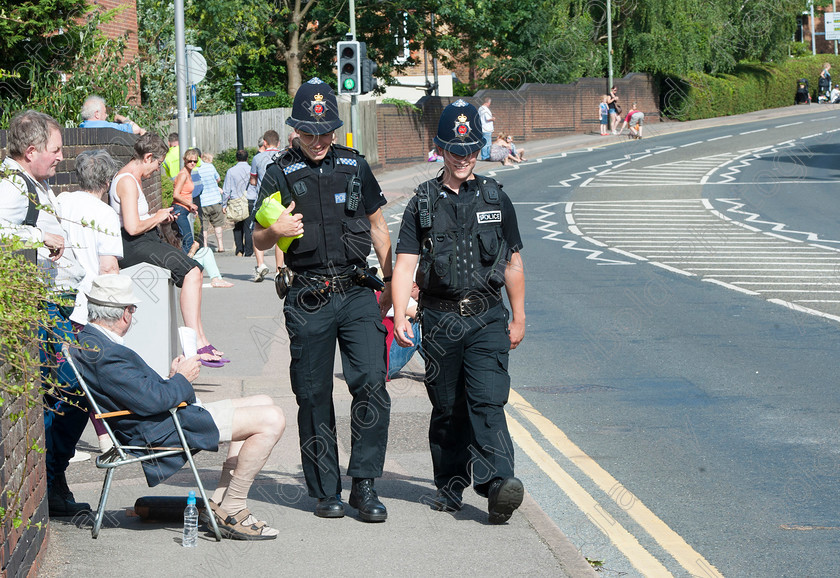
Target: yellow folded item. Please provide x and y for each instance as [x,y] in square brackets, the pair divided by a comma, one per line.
[268,213]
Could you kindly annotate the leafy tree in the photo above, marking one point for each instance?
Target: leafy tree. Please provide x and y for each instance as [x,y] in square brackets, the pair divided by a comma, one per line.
[55,56]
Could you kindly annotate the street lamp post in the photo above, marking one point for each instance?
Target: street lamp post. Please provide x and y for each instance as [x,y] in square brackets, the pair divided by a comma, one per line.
[609,47]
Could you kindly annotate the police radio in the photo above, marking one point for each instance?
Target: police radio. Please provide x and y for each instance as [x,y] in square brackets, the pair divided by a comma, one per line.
[354,194]
[424,210]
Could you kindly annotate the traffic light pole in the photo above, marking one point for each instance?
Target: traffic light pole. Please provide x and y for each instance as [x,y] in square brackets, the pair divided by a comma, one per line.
[354,140]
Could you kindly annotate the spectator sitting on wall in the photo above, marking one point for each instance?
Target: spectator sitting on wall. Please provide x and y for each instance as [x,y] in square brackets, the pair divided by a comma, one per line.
[94,115]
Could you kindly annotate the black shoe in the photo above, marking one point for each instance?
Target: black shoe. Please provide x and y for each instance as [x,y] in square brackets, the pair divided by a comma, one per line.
[363,497]
[61,500]
[446,501]
[331,507]
[503,498]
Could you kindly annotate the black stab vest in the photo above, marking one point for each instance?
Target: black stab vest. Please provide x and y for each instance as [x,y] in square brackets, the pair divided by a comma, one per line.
[333,237]
[463,254]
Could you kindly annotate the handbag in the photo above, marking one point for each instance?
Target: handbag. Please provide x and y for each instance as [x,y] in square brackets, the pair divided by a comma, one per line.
[617,109]
[237,209]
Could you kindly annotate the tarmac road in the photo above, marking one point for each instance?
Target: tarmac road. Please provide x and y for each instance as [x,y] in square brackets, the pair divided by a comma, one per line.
[245,322]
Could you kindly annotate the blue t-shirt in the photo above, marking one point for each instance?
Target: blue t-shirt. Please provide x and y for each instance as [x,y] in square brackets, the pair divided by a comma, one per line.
[105,124]
[210,194]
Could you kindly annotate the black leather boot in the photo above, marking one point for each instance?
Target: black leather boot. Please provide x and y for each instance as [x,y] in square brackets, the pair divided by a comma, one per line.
[331,507]
[503,497]
[61,500]
[363,497]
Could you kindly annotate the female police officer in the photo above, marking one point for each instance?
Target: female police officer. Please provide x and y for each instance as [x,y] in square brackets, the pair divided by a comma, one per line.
[463,229]
[338,203]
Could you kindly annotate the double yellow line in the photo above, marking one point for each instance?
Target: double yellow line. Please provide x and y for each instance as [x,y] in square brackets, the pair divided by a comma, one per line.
[640,558]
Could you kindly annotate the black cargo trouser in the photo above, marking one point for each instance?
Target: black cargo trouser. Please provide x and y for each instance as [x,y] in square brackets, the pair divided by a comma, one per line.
[314,323]
[468,384]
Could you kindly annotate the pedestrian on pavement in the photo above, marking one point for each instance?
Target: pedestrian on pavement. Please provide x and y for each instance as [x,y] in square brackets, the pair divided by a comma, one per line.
[258,166]
[487,127]
[462,228]
[237,181]
[635,119]
[183,201]
[211,201]
[604,115]
[614,109]
[337,205]
[172,161]
[29,211]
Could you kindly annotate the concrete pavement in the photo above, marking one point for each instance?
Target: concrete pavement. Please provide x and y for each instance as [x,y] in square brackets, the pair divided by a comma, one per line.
[247,323]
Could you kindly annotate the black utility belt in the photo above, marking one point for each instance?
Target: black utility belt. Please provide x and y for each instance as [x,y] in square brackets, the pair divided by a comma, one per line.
[324,284]
[466,307]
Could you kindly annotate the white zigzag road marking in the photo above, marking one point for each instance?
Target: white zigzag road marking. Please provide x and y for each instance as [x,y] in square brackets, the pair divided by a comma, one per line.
[609,164]
[555,235]
[751,156]
[736,207]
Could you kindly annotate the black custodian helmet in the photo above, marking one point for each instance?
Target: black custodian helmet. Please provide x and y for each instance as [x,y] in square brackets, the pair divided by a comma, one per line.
[315,110]
[459,129]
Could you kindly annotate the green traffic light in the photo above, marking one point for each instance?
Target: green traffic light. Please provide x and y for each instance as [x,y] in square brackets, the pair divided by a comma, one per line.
[349,84]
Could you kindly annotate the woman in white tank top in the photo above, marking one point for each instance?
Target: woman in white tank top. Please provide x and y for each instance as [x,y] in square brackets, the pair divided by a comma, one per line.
[142,243]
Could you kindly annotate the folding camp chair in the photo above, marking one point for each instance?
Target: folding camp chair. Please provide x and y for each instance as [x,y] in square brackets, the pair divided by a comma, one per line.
[123,455]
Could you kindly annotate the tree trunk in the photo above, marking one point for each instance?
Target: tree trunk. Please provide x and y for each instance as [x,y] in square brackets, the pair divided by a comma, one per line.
[293,73]
[292,56]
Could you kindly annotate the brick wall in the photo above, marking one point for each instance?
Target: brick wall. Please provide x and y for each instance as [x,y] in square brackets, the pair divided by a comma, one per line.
[21,549]
[22,472]
[533,112]
[75,140]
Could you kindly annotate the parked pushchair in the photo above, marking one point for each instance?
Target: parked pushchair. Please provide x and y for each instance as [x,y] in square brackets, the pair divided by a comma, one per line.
[823,89]
[803,95]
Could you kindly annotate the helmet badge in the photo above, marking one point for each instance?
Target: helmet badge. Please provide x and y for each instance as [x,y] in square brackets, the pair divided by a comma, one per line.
[318,107]
[462,127]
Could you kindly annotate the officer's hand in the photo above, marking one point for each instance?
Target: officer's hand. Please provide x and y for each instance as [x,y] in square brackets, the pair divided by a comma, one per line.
[402,332]
[190,367]
[287,224]
[516,330]
[385,300]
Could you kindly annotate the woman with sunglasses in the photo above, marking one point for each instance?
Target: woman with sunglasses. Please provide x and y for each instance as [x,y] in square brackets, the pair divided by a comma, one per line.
[182,200]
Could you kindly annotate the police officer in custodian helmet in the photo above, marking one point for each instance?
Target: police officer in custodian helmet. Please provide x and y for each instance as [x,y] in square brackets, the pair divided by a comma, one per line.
[462,228]
[333,199]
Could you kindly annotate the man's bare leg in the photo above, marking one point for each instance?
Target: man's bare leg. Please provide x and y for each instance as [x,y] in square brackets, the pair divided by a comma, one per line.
[255,416]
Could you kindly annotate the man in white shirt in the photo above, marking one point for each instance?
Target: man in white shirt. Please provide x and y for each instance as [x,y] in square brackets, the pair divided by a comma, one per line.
[487,128]
[34,141]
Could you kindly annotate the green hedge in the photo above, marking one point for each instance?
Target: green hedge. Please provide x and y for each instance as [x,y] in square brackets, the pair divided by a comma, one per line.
[750,87]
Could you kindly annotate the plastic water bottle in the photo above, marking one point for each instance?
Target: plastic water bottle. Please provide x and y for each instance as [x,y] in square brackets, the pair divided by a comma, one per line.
[190,523]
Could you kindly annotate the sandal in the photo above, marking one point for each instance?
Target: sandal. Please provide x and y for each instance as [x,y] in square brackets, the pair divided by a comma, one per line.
[209,349]
[243,526]
[220,283]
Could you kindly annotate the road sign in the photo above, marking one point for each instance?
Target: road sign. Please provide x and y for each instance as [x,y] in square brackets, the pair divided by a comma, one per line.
[197,64]
[832,25]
